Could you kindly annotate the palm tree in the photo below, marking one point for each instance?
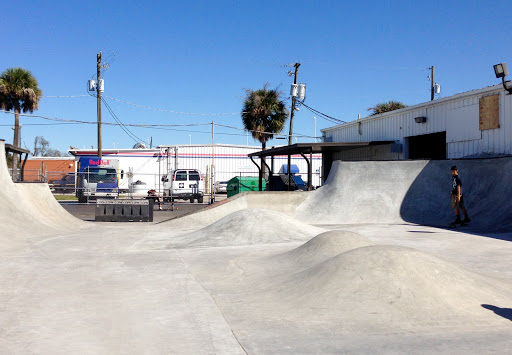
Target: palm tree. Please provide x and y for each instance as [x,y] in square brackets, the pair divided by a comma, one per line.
[264,114]
[19,90]
[386,107]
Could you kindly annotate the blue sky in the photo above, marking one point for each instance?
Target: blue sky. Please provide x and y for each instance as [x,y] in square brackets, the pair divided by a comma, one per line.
[200,56]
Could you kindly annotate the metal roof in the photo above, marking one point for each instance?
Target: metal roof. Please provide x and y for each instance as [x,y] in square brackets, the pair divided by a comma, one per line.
[11,148]
[306,148]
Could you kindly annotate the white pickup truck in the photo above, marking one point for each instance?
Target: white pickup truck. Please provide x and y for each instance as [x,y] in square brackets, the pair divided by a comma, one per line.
[184,184]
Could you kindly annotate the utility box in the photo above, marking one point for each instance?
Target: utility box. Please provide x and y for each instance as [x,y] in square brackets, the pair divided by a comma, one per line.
[243,183]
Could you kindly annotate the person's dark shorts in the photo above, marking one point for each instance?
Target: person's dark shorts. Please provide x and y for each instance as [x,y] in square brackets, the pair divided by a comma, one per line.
[459,205]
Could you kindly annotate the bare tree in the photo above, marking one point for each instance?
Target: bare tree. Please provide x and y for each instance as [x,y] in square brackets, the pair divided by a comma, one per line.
[42,148]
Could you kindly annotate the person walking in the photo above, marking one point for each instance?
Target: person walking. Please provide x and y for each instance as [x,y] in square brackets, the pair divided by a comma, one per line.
[457,198]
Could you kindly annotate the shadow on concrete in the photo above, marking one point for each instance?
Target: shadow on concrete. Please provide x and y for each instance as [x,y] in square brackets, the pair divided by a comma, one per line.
[487,194]
[502,312]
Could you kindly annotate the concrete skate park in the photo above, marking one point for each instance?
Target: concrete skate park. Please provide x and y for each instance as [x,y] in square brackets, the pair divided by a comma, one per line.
[364,264]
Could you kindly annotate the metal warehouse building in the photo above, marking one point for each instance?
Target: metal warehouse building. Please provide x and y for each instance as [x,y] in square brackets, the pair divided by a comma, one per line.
[472,124]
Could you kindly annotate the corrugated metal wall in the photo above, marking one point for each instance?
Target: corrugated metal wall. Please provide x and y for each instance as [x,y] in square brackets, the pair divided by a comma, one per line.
[457,115]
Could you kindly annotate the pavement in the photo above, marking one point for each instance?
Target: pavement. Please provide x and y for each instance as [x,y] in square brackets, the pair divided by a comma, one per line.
[365,264]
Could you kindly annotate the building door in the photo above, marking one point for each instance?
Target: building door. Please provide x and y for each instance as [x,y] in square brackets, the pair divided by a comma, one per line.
[427,146]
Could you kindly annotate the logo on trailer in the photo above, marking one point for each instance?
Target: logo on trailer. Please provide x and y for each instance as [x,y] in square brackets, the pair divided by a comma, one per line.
[99,162]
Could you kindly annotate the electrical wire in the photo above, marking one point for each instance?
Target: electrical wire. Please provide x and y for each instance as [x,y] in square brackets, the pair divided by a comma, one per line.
[263,132]
[70,96]
[171,111]
[123,127]
[169,127]
[322,115]
[42,124]
[107,123]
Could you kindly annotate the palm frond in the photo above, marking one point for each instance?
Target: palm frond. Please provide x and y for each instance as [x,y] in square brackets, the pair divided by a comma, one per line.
[19,90]
[264,113]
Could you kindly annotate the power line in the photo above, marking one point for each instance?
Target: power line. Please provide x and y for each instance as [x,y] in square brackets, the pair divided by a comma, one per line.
[171,111]
[323,115]
[263,132]
[125,129]
[147,107]
[113,124]
[69,96]
[169,127]
[42,124]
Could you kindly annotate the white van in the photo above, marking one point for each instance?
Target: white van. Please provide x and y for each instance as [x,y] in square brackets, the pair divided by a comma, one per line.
[184,184]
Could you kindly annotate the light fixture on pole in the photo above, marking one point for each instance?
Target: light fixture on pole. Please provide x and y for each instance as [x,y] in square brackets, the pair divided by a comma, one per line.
[501,71]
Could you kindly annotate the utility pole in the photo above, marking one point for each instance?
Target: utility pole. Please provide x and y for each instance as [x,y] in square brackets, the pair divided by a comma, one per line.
[98,95]
[432,84]
[296,65]
[212,180]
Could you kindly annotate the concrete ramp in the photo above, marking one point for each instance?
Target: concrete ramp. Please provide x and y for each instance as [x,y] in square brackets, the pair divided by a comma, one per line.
[361,192]
[486,189]
[389,192]
[28,210]
[39,196]
[412,191]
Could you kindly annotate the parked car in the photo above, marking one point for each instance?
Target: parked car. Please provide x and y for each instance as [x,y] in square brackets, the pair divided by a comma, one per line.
[65,184]
[184,184]
[221,187]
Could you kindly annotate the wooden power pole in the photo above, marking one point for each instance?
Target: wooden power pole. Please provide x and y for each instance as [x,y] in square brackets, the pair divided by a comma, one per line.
[98,95]
[296,65]
[432,83]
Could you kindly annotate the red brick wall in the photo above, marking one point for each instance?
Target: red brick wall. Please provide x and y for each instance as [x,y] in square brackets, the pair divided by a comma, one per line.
[41,169]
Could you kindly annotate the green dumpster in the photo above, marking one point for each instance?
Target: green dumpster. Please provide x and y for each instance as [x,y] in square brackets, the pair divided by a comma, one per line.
[244,183]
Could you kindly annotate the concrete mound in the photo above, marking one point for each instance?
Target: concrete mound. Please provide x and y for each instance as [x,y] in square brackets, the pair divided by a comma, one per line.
[251,226]
[324,246]
[386,284]
[284,202]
